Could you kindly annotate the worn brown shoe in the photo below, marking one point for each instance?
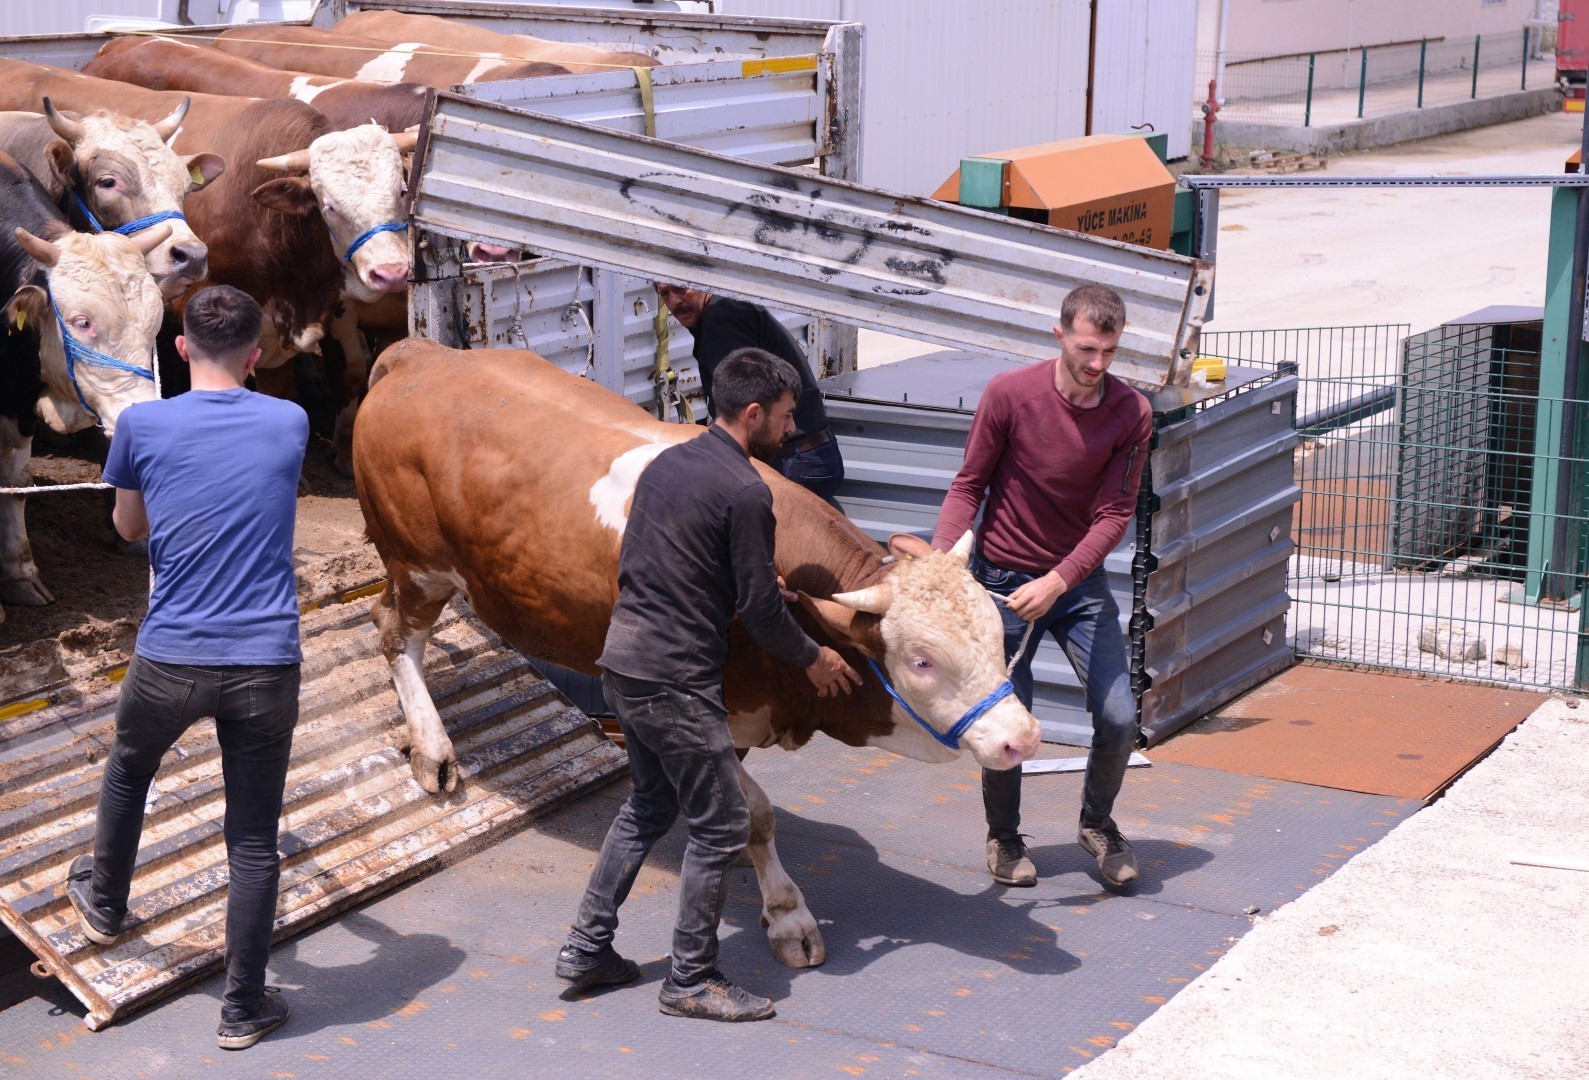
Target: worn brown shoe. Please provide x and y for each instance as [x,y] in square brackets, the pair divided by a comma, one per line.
[1116,861]
[1008,864]
[713,998]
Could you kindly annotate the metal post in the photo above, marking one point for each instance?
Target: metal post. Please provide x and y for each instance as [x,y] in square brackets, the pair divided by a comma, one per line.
[1525,58]
[1423,52]
[1475,92]
[1307,110]
[1570,478]
[1362,81]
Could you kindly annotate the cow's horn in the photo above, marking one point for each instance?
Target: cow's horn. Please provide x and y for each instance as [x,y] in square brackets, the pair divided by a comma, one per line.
[874,599]
[70,130]
[42,250]
[295,162]
[961,552]
[149,239]
[168,127]
[406,141]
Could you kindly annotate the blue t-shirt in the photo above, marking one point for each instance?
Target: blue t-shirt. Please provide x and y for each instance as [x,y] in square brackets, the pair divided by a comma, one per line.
[219,474]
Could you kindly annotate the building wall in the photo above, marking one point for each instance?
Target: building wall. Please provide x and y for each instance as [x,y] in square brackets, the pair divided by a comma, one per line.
[1274,27]
[1144,61]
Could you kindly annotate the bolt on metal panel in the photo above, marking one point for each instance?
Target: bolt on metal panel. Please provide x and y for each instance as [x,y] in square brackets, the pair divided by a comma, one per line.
[793,240]
[354,822]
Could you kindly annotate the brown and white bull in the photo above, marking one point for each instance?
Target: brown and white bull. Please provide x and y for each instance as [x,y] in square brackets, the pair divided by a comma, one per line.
[496,475]
[77,335]
[348,56]
[490,46]
[120,172]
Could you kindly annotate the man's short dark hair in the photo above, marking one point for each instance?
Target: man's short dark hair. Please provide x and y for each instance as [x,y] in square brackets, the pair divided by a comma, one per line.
[221,320]
[751,375]
[1100,304]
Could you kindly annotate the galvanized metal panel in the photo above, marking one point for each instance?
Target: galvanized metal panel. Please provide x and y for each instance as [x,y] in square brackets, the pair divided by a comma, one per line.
[814,245]
[1146,53]
[354,821]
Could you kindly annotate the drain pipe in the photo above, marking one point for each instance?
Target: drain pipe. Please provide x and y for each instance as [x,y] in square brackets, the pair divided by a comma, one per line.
[1219,50]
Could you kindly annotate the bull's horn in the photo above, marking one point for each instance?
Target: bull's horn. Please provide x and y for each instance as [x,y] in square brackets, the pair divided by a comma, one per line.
[407,141]
[70,130]
[45,252]
[874,599]
[961,552]
[168,127]
[149,239]
[295,162]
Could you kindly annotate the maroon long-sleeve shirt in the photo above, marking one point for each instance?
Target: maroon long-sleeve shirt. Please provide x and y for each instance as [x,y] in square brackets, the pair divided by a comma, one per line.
[1061,481]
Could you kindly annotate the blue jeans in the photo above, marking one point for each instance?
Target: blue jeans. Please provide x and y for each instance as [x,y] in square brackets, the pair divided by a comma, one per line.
[681,760]
[819,470]
[255,711]
[1085,621]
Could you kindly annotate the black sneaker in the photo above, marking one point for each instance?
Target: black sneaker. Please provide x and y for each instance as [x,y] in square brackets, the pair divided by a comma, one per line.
[241,1034]
[96,926]
[713,998]
[1008,862]
[605,968]
[1116,861]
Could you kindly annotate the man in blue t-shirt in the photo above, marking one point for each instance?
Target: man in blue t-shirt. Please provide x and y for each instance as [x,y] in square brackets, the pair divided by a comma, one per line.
[211,477]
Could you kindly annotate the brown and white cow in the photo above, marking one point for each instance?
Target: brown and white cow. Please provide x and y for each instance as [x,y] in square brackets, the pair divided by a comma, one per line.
[396,27]
[348,56]
[495,474]
[123,172]
[77,335]
[172,64]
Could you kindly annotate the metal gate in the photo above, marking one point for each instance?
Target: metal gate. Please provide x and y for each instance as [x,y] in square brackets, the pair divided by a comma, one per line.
[1441,526]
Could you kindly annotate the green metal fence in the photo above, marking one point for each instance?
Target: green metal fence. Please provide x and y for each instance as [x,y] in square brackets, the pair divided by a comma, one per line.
[1344,84]
[1442,526]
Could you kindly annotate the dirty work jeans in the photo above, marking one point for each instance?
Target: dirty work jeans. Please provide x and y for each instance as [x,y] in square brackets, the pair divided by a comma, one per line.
[255,710]
[1085,621]
[681,761]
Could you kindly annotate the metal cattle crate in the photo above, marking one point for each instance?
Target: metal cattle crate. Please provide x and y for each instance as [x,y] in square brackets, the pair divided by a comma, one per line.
[1201,580]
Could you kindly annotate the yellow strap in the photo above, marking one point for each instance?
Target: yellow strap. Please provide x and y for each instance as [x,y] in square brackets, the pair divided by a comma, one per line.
[648,99]
[22,708]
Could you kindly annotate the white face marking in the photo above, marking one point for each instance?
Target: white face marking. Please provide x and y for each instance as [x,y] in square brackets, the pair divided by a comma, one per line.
[303,88]
[611,494]
[488,62]
[389,66]
[909,740]
[752,730]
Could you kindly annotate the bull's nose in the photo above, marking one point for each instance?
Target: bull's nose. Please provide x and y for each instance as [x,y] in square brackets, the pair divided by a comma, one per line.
[392,277]
[189,260]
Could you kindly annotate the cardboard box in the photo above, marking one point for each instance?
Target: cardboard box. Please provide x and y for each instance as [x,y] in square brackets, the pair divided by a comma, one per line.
[1104,185]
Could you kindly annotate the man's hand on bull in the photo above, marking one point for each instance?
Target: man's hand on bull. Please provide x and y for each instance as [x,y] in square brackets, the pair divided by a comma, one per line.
[788,594]
[1034,599]
[831,675]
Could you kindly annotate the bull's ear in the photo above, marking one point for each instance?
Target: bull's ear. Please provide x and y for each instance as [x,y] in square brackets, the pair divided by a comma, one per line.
[62,168]
[25,311]
[907,546]
[847,625]
[289,195]
[203,169]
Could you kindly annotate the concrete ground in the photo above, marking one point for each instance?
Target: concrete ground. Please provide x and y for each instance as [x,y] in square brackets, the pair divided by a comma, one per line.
[1438,952]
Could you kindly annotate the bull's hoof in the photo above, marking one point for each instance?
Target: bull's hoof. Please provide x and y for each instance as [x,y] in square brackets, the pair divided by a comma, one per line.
[435,776]
[25,592]
[796,942]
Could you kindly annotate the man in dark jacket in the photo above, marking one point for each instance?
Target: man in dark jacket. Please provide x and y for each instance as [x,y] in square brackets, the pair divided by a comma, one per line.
[697,551]
[810,456]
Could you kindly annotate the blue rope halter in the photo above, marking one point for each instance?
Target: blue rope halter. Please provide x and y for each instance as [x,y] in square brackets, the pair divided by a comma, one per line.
[369,234]
[77,352]
[136,225]
[951,738]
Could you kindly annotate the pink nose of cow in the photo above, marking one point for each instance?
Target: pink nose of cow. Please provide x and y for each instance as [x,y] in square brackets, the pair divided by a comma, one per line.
[189,259]
[393,277]
[492,253]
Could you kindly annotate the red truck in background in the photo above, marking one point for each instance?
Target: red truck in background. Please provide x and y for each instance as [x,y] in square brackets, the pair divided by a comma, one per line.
[1572,50]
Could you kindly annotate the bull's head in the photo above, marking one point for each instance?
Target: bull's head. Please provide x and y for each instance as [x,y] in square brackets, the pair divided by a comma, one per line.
[937,634]
[124,171]
[355,180]
[107,301]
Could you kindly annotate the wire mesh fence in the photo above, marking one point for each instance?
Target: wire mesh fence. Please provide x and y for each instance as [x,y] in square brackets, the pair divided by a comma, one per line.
[1442,527]
[1306,89]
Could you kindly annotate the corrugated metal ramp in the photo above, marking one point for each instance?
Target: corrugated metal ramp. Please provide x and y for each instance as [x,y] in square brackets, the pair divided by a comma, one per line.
[354,823]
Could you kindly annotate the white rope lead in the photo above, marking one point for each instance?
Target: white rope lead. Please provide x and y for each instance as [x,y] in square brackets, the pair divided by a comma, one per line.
[40,488]
[1026,637]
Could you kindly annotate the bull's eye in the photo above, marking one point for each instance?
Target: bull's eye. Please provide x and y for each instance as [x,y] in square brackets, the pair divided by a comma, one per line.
[106,183]
[82,324]
[920,663]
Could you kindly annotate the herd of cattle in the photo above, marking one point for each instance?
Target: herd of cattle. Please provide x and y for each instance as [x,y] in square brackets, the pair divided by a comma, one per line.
[266,158]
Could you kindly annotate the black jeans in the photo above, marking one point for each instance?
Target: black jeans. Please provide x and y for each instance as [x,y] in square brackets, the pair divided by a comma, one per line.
[255,710]
[681,760]
[819,470]
[1085,621]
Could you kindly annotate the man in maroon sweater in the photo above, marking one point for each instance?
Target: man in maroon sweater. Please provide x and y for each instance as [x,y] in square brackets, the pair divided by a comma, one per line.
[1058,448]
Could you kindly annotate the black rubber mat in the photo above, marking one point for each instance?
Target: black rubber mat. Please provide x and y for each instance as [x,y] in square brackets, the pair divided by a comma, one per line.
[932,970]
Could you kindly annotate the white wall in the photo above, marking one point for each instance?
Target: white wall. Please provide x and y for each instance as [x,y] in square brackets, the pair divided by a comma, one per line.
[946,81]
[1144,62]
[1272,27]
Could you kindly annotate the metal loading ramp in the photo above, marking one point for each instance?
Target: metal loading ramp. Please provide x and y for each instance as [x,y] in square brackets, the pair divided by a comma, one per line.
[354,822]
